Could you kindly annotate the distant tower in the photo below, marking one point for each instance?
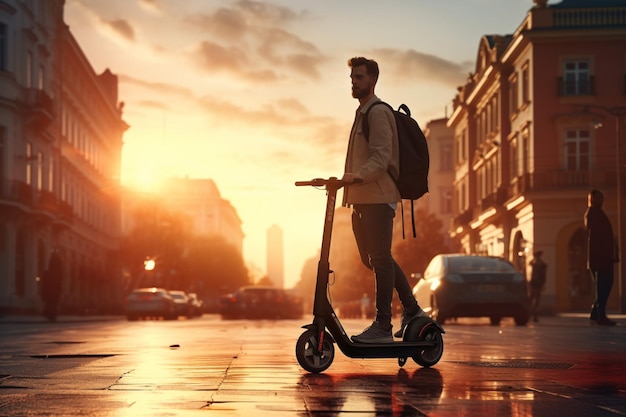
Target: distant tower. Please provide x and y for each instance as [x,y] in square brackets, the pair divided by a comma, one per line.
[275,259]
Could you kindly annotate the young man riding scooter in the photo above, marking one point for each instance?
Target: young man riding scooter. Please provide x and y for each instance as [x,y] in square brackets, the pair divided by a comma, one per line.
[374,200]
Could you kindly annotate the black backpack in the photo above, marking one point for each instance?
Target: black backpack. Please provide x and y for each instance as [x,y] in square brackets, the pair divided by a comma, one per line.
[412,181]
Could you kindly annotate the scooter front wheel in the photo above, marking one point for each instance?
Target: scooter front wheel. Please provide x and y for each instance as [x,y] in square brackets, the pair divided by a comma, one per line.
[308,355]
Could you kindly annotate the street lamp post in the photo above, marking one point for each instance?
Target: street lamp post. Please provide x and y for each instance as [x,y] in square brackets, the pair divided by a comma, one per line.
[620,114]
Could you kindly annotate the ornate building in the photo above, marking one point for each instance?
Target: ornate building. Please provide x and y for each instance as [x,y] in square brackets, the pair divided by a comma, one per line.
[61,133]
[534,132]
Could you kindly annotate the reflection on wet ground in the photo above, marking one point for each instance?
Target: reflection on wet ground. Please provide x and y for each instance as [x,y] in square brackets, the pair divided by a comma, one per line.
[559,367]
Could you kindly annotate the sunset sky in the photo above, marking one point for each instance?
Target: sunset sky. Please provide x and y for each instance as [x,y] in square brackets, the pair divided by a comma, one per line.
[256,95]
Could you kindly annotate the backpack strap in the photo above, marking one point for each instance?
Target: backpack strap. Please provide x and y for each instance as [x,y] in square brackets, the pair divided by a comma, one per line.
[366,122]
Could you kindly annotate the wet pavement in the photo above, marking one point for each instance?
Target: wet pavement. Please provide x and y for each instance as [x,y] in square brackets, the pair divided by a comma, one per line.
[106,366]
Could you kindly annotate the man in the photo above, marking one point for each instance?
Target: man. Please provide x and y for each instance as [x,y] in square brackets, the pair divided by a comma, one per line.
[537,281]
[601,255]
[51,285]
[374,199]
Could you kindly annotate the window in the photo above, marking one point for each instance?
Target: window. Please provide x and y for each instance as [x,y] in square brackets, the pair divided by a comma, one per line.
[445,154]
[513,94]
[577,156]
[514,157]
[460,145]
[525,84]
[576,78]
[29,165]
[50,174]
[446,201]
[39,169]
[29,70]
[40,78]
[4,44]
[525,150]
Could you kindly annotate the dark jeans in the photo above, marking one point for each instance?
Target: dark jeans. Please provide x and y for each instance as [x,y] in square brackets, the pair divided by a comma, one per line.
[372,225]
[603,282]
[534,298]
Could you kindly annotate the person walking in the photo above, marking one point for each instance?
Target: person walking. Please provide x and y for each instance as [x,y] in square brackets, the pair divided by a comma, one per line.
[601,255]
[373,196]
[537,282]
[51,285]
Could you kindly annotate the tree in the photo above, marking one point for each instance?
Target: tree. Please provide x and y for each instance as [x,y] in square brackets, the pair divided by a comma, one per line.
[158,235]
[349,277]
[208,266]
[214,267]
[414,254]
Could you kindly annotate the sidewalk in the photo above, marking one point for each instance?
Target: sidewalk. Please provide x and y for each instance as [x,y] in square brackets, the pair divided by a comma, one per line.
[560,319]
[34,318]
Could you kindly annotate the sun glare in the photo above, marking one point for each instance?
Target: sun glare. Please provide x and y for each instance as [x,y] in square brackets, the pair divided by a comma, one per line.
[144,180]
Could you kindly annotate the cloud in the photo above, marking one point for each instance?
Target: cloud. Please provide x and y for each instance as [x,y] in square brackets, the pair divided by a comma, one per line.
[151,5]
[251,40]
[403,64]
[287,121]
[160,88]
[266,13]
[121,27]
[153,104]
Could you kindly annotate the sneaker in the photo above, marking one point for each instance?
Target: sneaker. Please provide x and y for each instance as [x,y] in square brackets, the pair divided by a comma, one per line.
[374,334]
[406,320]
[605,322]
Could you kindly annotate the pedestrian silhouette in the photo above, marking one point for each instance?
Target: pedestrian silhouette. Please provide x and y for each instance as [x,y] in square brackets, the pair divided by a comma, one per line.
[537,282]
[51,285]
[601,255]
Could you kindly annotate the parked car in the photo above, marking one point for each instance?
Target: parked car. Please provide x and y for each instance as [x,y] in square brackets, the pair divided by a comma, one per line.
[197,305]
[181,299]
[150,302]
[260,302]
[459,285]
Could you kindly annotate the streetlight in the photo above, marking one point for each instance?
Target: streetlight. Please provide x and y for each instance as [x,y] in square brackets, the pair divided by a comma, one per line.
[149,264]
[620,117]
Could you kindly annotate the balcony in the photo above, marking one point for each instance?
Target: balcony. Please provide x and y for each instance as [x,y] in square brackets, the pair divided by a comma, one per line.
[463,219]
[22,193]
[39,108]
[47,201]
[520,185]
[21,196]
[560,179]
[596,17]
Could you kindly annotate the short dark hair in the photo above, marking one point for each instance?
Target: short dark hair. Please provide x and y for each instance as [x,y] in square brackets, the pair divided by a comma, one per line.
[597,198]
[370,65]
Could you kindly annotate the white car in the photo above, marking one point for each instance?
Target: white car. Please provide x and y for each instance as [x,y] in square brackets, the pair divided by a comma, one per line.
[150,302]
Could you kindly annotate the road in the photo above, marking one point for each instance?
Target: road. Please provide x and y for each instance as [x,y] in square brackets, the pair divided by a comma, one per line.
[106,366]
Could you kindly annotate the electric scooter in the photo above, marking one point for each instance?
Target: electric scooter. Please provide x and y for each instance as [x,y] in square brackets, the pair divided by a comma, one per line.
[315,349]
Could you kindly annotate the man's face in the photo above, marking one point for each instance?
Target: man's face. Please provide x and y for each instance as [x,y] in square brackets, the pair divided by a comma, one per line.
[362,82]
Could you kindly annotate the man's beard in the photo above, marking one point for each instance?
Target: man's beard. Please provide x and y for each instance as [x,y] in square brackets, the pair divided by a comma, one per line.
[359,92]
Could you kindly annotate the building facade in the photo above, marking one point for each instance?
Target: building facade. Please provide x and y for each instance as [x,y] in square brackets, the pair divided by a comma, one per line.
[200,201]
[440,139]
[61,133]
[534,131]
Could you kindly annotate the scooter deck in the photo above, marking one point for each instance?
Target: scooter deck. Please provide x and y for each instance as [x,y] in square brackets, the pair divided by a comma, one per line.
[381,350]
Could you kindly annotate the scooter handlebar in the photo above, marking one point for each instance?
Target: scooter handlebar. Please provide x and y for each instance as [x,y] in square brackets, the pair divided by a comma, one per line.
[325,182]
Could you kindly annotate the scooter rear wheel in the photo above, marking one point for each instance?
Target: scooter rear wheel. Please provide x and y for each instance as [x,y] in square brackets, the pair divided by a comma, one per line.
[308,355]
[424,329]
